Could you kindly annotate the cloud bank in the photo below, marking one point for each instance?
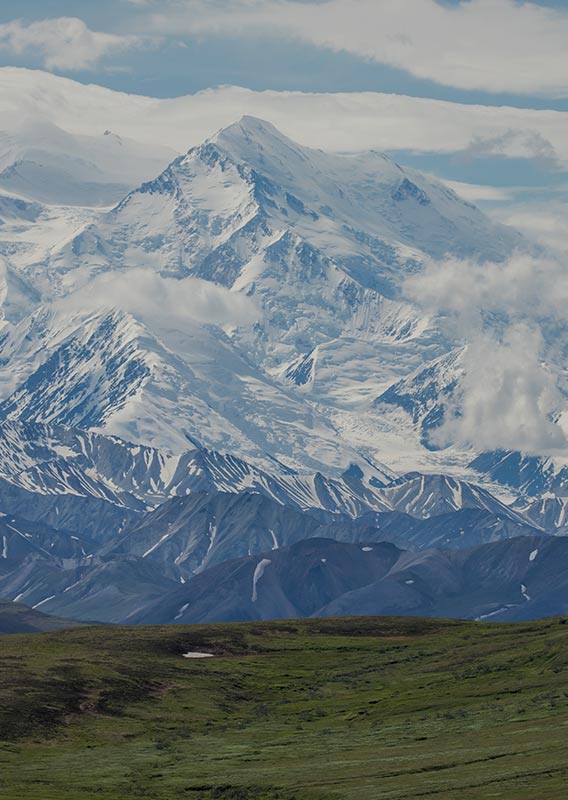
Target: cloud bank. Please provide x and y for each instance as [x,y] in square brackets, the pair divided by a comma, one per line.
[339,122]
[511,317]
[490,45]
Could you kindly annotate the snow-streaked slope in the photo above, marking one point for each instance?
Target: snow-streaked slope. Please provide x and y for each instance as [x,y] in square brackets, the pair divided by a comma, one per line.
[187,535]
[532,476]
[426,496]
[106,371]
[519,579]
[59,461]
[120,560]
[425,394]
[453,530]
[549,512]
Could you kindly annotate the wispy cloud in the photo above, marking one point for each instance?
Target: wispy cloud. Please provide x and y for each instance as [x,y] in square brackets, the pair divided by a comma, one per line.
[515,142]
[491,45]
[511,318]
[474,192]
[64,43]
[545,221]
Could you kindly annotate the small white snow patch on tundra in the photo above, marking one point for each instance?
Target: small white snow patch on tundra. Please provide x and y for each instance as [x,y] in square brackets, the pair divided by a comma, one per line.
[258,573]
[198,655]
[533,555]
[409,583]
[324,560]
[366,549]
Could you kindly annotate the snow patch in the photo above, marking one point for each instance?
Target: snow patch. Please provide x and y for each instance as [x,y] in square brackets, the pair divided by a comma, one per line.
[198,655]
[533,555]
[63,451]
[155,546]
[524,592]
[258,573]
[181,611]
[47,599]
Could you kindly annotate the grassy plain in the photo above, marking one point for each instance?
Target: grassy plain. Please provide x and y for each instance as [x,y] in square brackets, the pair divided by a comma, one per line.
[350,709]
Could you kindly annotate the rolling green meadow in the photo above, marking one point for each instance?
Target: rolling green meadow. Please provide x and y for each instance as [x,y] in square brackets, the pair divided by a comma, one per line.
[372,708]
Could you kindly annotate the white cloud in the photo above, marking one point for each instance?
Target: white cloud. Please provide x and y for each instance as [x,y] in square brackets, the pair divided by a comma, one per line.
[474,192]
[545,221]
[64,43]
[491,45]
[507,397]
[511,317]
[150,297]
[340,122]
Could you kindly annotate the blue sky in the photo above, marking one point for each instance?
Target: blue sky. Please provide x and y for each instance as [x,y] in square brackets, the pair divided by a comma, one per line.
[486,52]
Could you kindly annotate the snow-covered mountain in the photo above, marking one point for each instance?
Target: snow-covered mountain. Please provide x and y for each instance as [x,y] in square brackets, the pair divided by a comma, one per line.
[94,520]
[530,475]
[61,462]
[127,570]
[41,162]
[317,244]
[223,365]
[250,189]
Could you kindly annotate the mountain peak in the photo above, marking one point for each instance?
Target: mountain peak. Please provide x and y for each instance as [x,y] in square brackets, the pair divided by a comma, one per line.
[250,127]
[258,143]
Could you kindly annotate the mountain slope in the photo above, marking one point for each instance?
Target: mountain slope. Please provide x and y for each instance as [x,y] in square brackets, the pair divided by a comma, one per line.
[91,549]
[43,163]
[17,618]
[105,370]
[516,579]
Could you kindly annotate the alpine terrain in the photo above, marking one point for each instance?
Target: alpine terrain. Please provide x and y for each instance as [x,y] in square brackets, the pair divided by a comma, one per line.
[219,400]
